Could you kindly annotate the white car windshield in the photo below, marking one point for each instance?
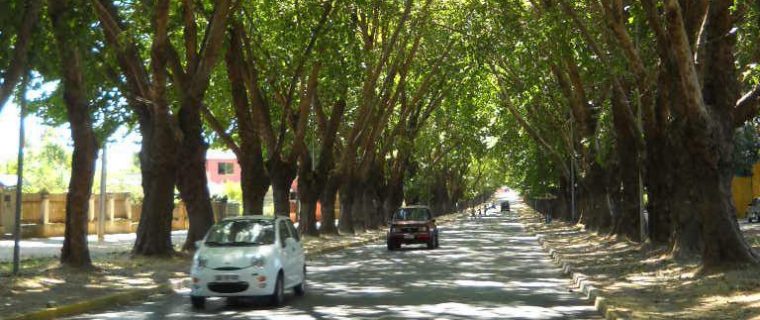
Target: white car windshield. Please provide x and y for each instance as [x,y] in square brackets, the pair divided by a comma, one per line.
[241,233]
[412,214]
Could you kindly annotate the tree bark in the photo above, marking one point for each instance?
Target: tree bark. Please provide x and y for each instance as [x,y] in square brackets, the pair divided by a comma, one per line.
[327,199]
[191,179]
[347,198]
[158,155]
[254,179]
[704,210]
[627,221]
[160,137]
[595,209]
[659,162]
[308,194]
[192,82]
[282,174]
[158,164]
[254,182]
[75,251]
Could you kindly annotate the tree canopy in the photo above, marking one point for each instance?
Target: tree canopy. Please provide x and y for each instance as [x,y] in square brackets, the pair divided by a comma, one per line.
[376,103]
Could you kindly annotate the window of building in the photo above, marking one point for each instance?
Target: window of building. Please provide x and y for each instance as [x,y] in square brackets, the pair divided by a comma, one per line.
[225,168]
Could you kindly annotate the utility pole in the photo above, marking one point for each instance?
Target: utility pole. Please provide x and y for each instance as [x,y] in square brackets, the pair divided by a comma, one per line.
[19,176]
[103,197]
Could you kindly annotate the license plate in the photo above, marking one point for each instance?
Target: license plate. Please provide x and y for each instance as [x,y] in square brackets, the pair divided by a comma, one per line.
[408,236]
[226,277]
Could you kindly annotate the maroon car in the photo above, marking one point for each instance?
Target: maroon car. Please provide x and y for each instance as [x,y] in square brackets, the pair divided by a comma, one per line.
[412,224]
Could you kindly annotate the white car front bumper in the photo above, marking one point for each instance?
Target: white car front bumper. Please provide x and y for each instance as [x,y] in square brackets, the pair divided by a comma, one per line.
[246,282]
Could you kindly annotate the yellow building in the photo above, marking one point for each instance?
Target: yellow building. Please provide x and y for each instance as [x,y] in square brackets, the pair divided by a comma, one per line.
[744,189]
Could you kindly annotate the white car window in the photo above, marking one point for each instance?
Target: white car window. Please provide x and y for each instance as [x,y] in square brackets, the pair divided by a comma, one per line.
[293,231]
[284,232]
[241,233]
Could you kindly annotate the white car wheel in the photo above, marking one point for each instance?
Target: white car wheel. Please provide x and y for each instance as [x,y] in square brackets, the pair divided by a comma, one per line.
[278,297]
[300,289]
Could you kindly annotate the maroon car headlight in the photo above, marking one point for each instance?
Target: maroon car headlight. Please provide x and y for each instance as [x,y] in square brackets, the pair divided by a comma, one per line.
[395,230]
[423,229]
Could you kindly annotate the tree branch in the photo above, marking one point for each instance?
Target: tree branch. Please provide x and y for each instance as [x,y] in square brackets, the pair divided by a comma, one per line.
[20,50]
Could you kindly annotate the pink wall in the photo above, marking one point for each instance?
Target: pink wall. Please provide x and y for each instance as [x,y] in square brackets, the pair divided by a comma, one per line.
[212,171]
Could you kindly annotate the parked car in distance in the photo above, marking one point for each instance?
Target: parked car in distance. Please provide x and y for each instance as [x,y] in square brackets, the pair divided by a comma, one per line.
[412,224]
[505,206]
[248,256]
[753,211]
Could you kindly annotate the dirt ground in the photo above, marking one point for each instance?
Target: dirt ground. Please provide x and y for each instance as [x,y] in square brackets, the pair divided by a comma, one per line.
[645,283]
[44,283]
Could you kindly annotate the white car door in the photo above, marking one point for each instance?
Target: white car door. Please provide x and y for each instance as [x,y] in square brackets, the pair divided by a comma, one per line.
[299,257]
[288,254]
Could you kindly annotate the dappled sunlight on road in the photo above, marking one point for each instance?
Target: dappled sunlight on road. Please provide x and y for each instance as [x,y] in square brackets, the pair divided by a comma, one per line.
[486,268]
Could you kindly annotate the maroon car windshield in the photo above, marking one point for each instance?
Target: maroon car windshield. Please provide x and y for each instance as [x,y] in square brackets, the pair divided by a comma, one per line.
[412,214]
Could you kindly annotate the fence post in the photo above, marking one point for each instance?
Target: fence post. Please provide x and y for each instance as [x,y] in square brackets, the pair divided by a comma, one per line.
[45,207]
[128,206]
[111,209]
[91,209]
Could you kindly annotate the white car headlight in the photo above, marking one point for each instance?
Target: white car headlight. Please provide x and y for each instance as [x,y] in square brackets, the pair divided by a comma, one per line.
[201,262]
[258,261]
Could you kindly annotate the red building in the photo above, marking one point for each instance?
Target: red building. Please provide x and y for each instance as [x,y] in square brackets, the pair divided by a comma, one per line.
[222,167]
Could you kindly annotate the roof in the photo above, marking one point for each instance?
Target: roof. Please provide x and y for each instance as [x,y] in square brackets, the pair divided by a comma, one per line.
[214,154]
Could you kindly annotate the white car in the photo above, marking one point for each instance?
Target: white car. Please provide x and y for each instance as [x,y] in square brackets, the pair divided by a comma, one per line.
[248,256]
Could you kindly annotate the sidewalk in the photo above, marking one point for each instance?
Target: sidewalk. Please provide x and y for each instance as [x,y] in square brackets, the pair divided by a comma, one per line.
[51,247]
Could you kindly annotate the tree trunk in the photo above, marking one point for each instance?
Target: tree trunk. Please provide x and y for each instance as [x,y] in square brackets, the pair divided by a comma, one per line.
[75,251]
[191,180]
[308,194]
[281,174]
[594,203]
[627,221]
[704,209]
[158,163]
[254,183]
[659,189]
[254,180]
[347,197]
[327,199]
[659,160]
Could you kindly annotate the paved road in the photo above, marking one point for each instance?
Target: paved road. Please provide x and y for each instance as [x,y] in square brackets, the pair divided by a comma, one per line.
[51,247]
[486,269]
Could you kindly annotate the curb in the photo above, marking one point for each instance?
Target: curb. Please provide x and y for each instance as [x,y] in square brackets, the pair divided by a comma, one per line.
[315,253]
[580,280]
[96,303]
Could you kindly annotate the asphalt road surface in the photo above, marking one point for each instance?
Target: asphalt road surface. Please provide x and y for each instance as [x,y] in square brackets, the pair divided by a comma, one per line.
[487,268]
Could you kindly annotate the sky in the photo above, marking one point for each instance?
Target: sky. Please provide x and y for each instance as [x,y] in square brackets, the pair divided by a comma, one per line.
[120,152]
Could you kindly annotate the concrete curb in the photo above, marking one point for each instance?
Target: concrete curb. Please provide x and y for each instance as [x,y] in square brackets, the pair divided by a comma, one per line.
[89,305]
[315,253]
[581,281]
